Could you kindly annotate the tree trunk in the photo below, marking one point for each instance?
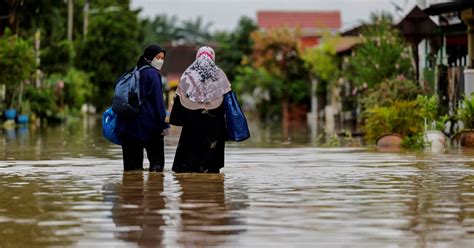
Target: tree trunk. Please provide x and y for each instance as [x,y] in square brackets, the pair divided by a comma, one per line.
[285,117]
[70,13]
[314,116]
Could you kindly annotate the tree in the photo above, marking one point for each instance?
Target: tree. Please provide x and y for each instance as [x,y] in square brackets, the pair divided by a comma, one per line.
[165,30]
[162,30]
[17,63]
[321,61]
[27,17]
[382,55]
[195,32]
[111,47]
[50,19]
[323,65]
[276,51]
[235,46]
[57,57]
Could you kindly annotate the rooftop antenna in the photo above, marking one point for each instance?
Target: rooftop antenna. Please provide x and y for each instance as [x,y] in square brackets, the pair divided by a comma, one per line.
[399,10]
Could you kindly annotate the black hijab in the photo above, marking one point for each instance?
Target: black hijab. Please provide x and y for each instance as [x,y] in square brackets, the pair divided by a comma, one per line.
[148,54]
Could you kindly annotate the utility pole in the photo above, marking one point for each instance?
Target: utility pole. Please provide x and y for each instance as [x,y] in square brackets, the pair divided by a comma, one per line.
[70,12]
[86,17]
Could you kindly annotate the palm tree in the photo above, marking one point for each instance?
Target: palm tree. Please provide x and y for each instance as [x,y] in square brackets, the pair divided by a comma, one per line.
[8,14]
[195,31]
[162,30]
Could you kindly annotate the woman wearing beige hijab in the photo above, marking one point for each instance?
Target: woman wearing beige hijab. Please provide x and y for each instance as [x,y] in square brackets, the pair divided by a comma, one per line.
[198,108]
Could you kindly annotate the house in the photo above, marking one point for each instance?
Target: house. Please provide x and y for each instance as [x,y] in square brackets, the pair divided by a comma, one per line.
[313,24]
[456,53]
[178,58]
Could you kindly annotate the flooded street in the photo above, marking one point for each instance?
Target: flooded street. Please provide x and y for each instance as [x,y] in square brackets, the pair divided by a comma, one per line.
[65,186]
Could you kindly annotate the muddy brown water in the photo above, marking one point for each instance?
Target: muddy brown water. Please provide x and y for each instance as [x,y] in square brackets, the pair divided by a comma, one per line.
[64,186]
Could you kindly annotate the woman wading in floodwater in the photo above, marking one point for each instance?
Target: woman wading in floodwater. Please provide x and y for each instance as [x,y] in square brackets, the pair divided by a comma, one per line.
[146,130]
[198,108]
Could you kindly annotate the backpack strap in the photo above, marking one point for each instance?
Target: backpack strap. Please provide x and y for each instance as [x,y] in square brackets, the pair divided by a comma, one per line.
[144,67]
[142,99]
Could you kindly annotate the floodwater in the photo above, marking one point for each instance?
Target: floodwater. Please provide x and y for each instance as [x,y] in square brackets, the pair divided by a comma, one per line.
[64,186]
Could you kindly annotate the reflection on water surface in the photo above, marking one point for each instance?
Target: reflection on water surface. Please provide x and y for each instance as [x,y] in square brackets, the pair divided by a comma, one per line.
[64,186]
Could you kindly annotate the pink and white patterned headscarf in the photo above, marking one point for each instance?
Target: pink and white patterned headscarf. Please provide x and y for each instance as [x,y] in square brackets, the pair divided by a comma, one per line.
[206,51]
[204,81]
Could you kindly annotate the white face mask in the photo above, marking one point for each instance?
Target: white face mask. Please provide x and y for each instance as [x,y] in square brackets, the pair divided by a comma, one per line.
[157,63]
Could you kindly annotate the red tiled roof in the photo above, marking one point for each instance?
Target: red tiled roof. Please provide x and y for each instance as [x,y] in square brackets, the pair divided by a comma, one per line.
[302,19]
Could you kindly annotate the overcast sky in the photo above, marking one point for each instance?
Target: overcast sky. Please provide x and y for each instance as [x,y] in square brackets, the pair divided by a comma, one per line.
[224,14]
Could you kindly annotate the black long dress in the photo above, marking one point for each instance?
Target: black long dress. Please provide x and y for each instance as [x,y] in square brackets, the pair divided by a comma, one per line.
[202,141]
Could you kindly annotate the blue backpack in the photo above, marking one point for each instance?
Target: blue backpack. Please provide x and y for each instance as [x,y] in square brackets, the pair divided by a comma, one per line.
[126,102]
[127,99]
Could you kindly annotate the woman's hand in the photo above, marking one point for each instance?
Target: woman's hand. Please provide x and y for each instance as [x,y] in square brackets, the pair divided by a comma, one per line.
[166,132]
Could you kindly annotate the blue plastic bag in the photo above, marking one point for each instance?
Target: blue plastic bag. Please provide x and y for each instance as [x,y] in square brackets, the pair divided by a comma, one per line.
[236,123]
[109,119]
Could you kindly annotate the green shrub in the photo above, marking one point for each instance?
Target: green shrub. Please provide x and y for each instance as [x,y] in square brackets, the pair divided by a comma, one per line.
[402,118]
[388,91]
[25,108]
[406,118]
[43,101]
[58,57]
[77,89]
[428,107]
[416,141]
[466,113]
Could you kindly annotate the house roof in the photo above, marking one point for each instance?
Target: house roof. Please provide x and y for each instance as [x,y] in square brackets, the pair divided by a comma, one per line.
[301,19]
[178,58]
[452,6]
[416,26]
[346,43]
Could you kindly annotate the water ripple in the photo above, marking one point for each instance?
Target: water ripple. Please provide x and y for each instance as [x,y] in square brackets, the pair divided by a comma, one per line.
[265,197]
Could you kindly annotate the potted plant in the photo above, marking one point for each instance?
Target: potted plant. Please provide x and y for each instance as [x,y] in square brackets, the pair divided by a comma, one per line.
[17,60]
[389,141]
[465,114]
[10,114]
[401,124]
[389,126]
[391,113]
[432,137]
[10,110]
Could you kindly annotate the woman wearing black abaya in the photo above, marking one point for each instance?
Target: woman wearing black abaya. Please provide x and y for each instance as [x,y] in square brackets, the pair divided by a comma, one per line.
[198,108]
